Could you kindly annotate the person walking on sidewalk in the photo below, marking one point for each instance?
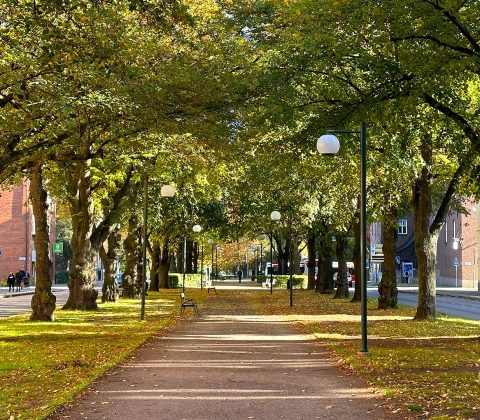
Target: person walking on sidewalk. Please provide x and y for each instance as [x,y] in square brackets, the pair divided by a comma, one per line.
[11,282]
[18,279]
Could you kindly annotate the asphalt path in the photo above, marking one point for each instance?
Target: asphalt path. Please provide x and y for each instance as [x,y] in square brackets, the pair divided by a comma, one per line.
[455,306]
[230,363]
[16,305]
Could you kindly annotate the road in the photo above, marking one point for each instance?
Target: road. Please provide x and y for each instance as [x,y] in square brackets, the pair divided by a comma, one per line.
[456,306]
[19,304]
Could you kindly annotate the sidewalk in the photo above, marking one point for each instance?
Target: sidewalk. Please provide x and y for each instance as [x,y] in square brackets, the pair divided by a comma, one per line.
[464,293]
[230,364]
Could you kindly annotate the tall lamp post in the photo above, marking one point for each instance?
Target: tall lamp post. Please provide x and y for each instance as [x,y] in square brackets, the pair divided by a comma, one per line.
[198,229]
[456,246]
[166,191]
[212,243]
[261,237]
[328,144]
[216,261]
[274,216]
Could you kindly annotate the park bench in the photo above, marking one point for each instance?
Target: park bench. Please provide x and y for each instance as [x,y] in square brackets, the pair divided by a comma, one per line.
[187,303]
[209,286]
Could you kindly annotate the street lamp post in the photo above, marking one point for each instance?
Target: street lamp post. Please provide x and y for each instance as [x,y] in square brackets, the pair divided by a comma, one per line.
[216,262]
[166,191]
[212,243]
[198,229]
[328,144]
[274,216]
[261,237]
[455,246]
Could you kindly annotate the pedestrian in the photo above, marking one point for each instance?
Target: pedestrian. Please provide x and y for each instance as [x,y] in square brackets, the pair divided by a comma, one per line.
[11,282]
[18,279]
[239,274]
[405,277]
[26,279]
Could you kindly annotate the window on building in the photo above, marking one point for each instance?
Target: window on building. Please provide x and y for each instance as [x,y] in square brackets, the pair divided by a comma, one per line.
[402,227]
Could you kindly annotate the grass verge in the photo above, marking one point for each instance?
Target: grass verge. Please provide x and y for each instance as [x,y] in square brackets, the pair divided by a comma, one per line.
[44,364]
[431,368]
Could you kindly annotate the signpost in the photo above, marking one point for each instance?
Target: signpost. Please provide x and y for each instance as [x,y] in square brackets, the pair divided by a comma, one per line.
[456,263]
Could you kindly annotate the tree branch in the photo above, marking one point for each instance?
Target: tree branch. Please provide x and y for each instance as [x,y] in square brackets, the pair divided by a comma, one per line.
[457,118]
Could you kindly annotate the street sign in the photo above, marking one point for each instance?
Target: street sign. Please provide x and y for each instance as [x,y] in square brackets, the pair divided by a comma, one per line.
[377,252]
[58,247]
[456,263]
[397,259]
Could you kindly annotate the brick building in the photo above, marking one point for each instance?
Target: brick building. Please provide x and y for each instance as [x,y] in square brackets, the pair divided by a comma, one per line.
[457,250]
[17,231]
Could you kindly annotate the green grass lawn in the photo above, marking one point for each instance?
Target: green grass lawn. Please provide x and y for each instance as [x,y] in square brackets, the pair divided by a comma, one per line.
[429,368]
[44,364]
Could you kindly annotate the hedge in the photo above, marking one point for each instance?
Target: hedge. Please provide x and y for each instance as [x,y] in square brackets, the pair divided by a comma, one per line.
[175,280]
[299,281]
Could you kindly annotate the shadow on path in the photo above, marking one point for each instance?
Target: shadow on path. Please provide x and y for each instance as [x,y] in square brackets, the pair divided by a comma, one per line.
[230,364]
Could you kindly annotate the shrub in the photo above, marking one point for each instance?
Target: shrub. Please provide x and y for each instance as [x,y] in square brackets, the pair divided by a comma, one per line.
[175,280]
[299,281]
[62,277]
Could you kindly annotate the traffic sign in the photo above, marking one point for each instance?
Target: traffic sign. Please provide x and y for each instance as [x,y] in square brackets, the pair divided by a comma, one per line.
[58,247]
[456,263]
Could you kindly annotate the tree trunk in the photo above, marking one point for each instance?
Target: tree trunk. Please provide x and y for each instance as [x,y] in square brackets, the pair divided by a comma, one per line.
[342,281]
[82,267]
[130,246]
[155,257]
[110,291]
[283,254]
[311,260]
[179,258]
[296,256]
[387,289]
[357,262]
[164,267]
[324,279]
[195,255]
[189,257]
[43,301]
[425,241]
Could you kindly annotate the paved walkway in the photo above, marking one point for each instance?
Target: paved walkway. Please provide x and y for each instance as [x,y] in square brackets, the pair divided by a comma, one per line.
[230,365]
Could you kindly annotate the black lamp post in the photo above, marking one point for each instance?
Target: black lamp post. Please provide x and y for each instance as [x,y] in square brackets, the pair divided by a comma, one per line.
[274,216]
[216,262]
[212,243]
[198,229]
[328,144]
[165,191]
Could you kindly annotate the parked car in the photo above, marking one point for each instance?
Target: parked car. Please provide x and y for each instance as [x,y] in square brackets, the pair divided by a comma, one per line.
[349,278]
[118,279]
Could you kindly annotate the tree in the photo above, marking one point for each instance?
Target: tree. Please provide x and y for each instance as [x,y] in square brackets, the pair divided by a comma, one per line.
[43,300]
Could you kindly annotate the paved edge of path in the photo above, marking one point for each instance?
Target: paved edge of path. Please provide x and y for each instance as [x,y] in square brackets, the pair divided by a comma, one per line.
[229,366]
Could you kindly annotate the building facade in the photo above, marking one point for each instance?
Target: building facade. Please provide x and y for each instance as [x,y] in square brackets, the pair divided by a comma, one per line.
[17,231]
[457,250]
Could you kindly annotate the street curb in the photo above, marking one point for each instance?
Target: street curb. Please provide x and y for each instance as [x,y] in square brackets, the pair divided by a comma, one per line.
[8,295]
[453,295]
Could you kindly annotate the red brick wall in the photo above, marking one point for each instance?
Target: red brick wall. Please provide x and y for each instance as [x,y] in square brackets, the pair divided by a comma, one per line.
[16,240]
[466,228]
[15,236]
